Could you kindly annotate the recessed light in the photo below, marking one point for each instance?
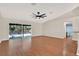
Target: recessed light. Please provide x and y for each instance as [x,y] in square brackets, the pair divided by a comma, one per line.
[33,3]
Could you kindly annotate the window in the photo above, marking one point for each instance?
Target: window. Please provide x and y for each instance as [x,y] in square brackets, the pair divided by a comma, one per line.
[19,30]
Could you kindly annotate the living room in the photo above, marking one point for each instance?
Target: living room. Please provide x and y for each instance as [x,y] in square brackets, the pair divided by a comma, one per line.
[47,31]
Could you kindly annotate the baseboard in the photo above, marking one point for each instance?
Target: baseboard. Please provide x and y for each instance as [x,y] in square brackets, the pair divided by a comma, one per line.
[56,36]
[75,39]
[48,36]
[0,41]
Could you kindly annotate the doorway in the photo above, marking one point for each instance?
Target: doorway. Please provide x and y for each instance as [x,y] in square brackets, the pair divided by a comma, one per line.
[68,36]
[68,29]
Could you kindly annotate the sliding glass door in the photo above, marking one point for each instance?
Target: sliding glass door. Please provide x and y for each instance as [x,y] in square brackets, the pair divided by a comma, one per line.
[19,30]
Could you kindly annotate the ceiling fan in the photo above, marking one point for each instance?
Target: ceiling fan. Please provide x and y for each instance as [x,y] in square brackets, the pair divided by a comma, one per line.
[39,15]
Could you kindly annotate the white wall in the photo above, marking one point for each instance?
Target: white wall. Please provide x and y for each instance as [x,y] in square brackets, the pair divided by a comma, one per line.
[76,29]
[4,27]
[36,27]
[55,28]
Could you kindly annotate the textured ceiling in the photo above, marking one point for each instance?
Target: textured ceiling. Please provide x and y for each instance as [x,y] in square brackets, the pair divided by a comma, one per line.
[23,11]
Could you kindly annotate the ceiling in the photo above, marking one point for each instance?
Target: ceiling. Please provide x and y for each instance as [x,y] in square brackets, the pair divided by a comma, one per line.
[23,11]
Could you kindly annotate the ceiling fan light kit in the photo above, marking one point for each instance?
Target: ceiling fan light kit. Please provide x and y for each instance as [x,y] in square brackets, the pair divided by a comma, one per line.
[39,15]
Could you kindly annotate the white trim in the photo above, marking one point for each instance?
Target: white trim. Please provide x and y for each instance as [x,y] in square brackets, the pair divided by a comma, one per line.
[74,39]
[77,52]
[0,41]
[3,40]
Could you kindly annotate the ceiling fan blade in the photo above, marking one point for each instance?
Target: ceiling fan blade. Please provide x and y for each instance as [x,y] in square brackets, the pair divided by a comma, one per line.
[43,14]
[34,14]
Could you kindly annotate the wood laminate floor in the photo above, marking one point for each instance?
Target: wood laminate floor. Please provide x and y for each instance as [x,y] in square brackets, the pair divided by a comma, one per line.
[38,46]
